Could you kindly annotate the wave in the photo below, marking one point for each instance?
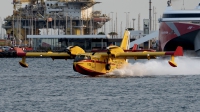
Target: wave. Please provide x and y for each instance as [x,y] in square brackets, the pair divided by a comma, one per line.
[186,66]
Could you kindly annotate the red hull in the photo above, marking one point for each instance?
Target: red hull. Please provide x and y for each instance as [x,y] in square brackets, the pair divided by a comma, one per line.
[85,71]
[173,34]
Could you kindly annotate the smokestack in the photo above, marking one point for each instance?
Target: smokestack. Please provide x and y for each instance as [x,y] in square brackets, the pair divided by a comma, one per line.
[150,15]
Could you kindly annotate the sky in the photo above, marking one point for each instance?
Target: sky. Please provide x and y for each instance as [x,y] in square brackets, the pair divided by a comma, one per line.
[134,7]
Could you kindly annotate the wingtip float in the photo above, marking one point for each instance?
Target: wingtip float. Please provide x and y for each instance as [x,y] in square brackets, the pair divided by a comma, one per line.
[21,53]
[23,62]
[178,52]
[101,62]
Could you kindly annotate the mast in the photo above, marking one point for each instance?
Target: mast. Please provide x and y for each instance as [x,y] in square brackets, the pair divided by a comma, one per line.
[116,25]
[139,21]
[150,14]
[153,18]
[121,30]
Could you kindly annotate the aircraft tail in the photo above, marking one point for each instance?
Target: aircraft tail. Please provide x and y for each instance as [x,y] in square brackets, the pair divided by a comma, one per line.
[125,41]
[134,47]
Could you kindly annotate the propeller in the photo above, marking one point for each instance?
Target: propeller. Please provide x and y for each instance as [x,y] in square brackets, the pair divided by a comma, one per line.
[108,67]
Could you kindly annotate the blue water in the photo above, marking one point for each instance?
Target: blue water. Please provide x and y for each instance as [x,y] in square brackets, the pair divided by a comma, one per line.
[53,86]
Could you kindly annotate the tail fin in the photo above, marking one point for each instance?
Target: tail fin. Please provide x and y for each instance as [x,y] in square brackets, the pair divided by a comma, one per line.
[20,52]
[179,51]
[134,47]
[125,41]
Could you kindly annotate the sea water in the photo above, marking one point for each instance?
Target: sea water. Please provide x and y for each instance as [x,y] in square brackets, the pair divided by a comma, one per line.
[53,86]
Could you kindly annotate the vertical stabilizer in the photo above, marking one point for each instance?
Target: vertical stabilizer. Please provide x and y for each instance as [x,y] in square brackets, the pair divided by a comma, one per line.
[135,47]
[125,41]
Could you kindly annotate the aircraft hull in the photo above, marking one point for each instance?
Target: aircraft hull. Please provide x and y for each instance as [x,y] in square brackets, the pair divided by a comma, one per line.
[90,67]
[85,71]
[96,68]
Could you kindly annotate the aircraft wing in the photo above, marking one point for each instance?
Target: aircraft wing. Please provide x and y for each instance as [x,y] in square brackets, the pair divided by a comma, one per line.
[44,54]
[139,55]
[70,53]
[125,55]
[149,55]
[144,55]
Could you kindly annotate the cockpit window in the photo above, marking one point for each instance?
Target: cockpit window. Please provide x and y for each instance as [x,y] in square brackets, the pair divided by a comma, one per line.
[81,57]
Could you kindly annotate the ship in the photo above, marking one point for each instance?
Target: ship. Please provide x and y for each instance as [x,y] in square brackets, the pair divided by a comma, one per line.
[180,28]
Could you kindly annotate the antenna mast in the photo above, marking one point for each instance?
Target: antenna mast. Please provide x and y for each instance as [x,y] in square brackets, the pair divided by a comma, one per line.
[139,21]
[183,8]
[121,30]
[116,25]
[169,3]
[155,19]
[150,14]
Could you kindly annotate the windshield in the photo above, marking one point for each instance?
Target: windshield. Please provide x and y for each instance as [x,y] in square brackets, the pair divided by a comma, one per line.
[81,57]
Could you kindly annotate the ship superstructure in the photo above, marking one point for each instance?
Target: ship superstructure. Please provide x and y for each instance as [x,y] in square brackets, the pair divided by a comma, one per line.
[71,17]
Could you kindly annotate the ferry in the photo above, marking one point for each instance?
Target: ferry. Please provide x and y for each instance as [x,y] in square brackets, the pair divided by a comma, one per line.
[180,28]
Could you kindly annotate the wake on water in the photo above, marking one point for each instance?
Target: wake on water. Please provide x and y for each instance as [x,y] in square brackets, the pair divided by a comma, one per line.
[185,66]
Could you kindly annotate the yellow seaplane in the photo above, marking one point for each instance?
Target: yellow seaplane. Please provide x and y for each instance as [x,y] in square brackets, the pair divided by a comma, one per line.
[96,63]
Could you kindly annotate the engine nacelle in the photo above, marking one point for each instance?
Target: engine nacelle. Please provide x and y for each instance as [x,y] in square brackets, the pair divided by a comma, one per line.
[113,50]
[74,50]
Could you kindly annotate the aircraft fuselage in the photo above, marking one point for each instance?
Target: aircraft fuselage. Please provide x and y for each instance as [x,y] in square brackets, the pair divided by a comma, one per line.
[94,65]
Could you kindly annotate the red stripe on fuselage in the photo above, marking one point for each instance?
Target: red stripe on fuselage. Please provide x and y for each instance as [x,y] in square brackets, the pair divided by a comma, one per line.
[96,62]
[92,61]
